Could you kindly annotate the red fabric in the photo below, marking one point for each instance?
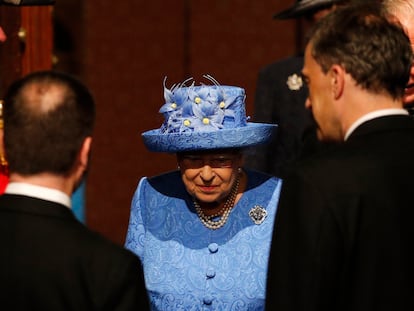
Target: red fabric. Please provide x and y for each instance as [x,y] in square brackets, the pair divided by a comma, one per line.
[4,179]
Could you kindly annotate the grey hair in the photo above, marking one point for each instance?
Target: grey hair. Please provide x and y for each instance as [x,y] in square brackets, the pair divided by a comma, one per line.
[399,8]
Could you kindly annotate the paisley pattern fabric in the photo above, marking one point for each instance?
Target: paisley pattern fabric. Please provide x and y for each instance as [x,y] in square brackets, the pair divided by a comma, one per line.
[190,267]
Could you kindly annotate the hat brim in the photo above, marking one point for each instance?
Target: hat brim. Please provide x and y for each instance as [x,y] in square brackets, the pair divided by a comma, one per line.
[301,8]
[240,137]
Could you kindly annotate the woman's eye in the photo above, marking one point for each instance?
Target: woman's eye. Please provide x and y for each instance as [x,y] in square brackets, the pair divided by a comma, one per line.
[221,162]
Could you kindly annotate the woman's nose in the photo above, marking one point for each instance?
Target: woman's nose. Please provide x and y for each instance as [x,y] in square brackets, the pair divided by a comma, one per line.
[206,172]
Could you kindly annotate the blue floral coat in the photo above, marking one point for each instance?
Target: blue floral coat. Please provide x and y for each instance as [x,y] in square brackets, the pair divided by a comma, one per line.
[190,267]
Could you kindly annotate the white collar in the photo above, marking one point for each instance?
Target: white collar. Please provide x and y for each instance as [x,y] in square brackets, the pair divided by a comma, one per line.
[39,192]
[373,115]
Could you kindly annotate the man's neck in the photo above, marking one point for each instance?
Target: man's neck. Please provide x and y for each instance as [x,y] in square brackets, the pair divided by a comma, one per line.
[48,180]
[372,102]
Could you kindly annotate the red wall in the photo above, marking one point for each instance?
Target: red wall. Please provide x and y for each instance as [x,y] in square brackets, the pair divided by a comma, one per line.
[128,47]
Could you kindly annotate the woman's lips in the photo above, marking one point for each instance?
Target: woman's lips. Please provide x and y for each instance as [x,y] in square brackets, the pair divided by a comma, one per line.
[207,188]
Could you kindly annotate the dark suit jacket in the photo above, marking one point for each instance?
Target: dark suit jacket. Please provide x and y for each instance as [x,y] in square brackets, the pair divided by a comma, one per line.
[276,103]
[50,261]
[344,230]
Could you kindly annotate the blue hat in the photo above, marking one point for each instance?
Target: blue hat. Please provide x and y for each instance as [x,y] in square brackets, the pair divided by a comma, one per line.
[205,117]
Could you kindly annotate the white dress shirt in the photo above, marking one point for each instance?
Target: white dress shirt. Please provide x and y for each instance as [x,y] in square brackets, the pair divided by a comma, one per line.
[39,192]
[373,115]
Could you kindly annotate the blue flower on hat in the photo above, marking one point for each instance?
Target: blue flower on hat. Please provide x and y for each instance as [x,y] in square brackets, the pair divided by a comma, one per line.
[229,104]
[172,109]
[206,113]
[201,109]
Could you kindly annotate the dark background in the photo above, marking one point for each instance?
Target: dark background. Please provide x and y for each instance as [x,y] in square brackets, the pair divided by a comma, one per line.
[124,49]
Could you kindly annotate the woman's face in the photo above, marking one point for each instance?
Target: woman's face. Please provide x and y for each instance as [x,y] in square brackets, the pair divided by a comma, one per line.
[209,175]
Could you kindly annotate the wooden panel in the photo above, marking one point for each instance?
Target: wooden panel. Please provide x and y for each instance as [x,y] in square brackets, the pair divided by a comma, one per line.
[38,46]
[10,51]
[129,47]
[20,55]
[233,39]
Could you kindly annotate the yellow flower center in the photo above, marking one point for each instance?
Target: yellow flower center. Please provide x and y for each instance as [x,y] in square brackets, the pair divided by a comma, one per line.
[222,105]
[206,121]
[197,100]
[173,105]
[187,122]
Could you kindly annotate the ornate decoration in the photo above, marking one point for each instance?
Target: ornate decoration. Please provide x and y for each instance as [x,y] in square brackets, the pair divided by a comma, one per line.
[294,82]
[258,214]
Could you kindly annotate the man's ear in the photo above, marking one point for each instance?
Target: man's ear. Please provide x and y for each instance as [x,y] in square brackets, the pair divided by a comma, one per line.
[337,75]
[84,152]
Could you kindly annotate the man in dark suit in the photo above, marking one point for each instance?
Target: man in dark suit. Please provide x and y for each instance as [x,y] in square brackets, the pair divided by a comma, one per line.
[280,98]
[48,259]
[78,197]
[343,232]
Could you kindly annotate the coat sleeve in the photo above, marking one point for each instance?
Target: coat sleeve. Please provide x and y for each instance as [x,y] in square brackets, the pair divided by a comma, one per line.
[136,230]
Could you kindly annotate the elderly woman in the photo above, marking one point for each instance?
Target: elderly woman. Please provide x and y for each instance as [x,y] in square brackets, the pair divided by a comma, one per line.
[203,231]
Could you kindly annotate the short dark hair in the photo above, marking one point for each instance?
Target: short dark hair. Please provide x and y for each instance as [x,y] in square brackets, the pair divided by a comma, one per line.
[44,132]
[374,51]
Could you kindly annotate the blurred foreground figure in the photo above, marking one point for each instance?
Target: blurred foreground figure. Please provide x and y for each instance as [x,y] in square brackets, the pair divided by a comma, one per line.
[78,198]
[49,260]
[343,232]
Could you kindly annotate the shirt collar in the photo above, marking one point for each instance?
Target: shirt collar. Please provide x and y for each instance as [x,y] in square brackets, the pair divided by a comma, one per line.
[39,192]
[373,115]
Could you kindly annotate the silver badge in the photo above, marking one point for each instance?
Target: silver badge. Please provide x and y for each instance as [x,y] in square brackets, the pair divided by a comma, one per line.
[258,214]
[294,82]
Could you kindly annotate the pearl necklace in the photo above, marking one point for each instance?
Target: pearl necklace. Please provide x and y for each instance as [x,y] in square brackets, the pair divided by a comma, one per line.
[207,220]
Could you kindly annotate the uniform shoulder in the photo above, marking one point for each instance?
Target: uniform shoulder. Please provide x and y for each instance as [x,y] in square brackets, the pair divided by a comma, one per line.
[289,64]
